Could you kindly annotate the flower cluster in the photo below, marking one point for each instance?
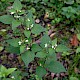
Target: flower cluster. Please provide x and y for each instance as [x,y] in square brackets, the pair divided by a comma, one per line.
[54,47]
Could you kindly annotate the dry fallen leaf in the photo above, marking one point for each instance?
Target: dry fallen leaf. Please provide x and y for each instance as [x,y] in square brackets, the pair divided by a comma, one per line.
[52,35]
[74,40]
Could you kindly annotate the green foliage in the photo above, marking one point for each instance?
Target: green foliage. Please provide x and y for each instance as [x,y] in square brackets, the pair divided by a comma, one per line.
[37,29]
[5,72]
[25,31]
[62,48]
[41,54]
[40,71]
[55,67]
[73,78]
[27,57]
[15,24]
[17,5]
[13,42]
[78,50]
[6,19]
[78,36]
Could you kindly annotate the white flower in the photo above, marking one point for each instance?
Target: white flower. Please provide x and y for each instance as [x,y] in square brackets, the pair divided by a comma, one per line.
[26,40]
[52,46]
[32,25]
[12,77]
[28,19]
[27,28]
[55,45]
[12,12]
[46,45]
[19,42]
[27,48]
[17,16]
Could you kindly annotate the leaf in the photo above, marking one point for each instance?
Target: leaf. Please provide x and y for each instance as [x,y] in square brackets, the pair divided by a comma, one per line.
[74,40]
[55,67]
[17,5]
[1,48]
[12,49]
[10,70]
[51,57]
[73,78]
[69,1]
[40,71]
[78,1]
[15,24]
[30,20]
[45,39]
[22,48]
[78,36]
[5,72]
[45,0]
[3,69]
[27,33]
[6,19]
[62,48]
[13,42]
[78,50]
[37,29]
[41,54]
[36,48]
[27,57]
[17,75]
[54,42]
[52,54]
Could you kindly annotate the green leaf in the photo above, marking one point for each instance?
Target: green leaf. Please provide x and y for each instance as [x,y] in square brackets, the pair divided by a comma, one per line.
[54,42]
[12,49]
[62,48]
[36,48]
[1,48]
[69,1]
[17,75]
[15,24]
[78,50]
[40,71]
[32,21]
[51,57]
[52,54]
[55,67]
[73,78]
[17,5]
[2,71]
[13,42]
[27,33]
[41,54]
[78,36]
[37,29]
[22,48]
[5,72]
[45,39]
[10,70]
[27,57]
[45,0]
[6,19]
[78,1]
